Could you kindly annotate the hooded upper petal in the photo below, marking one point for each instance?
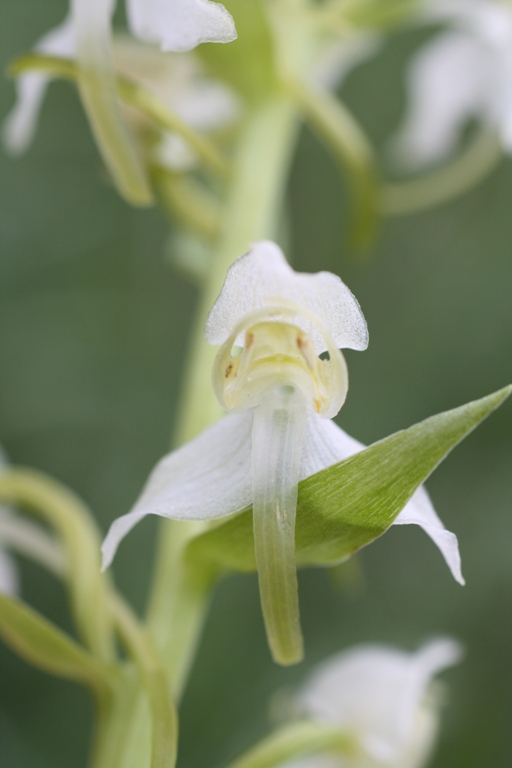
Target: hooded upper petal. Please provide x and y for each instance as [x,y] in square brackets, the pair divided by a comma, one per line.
[263,278]
[378,694]
[180,25]
[21,123]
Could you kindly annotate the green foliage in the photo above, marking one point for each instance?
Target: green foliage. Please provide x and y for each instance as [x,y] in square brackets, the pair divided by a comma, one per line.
[45,646]
[346,506]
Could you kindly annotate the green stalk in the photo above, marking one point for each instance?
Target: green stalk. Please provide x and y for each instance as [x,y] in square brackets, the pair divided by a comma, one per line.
[252,211]
[292,742]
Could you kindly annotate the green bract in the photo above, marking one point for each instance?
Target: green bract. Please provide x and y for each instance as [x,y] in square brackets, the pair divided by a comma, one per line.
[344,507]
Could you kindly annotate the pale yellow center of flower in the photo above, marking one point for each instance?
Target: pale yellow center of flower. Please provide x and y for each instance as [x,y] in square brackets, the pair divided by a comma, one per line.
[274,355]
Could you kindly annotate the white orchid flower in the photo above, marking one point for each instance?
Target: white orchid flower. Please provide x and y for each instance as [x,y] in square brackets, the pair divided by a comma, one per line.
[175,25]
[464,73]
[381,697]
[281,397]
[180,82]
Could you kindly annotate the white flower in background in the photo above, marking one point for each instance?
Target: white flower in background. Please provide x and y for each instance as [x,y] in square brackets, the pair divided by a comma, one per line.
[178,81]
[463,73]
[381,697]
[174,25]
[21,123]
[281,397]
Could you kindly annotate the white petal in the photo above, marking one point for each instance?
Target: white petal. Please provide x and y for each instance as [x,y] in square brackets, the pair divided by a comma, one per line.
[263,278]
[447,84]
[325,444]
[180,25]
[20,124]
[9,579]
[420,510]
[208,478]
[377,693]
[180,81]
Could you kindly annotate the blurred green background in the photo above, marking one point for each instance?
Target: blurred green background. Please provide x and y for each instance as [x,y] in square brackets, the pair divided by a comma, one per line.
[93,331]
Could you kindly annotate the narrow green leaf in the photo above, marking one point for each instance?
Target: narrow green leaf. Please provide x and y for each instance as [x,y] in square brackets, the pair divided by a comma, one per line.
[45,646]
[342,135]
[346,506]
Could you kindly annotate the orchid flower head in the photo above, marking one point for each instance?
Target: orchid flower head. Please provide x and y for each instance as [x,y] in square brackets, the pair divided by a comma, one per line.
[383,698]
[463,73]
[283,320]
[280,396]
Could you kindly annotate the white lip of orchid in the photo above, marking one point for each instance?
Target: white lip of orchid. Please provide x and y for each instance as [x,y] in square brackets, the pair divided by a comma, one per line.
[381,696]
[275,354]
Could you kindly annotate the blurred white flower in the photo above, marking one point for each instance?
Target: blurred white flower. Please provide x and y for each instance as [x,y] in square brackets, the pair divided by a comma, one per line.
[174,25]
[381,697]
[463,73]
[178,81]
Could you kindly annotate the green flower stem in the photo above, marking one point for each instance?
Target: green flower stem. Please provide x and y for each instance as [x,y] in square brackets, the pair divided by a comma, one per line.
[343,136]
[295,741]
[164,721]
[252,211]
[189,202]
[80,540]
[177,611]
[449,182]
[137,727]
